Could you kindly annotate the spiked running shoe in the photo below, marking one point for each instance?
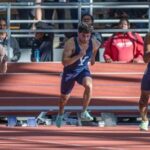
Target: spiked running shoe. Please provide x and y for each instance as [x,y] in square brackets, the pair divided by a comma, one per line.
[59,120]
[144,125]
[85,116]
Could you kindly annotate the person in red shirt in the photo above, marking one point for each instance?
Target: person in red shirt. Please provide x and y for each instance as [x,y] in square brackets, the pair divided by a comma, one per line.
[124,46]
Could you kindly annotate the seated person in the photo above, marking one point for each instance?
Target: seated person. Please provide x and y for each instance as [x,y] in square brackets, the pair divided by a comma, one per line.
[88,19]
[43,42]
[124,46]
[13,52]
[3,60]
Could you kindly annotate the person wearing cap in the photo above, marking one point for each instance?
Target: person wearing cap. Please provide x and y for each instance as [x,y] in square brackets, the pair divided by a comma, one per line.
[78,51]
[43,42]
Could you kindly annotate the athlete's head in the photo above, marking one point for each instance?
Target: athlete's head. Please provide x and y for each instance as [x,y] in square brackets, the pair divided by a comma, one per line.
[84,32]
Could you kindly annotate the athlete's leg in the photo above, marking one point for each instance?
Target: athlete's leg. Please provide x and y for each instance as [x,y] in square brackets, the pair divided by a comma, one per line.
[143,108]
[87,83]
[66,88]
[84,78]
[143,104]
[63,101]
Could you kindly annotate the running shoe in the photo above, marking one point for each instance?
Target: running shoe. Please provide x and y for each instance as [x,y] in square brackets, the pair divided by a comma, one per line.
[144,125]
[59,120]
[85,116]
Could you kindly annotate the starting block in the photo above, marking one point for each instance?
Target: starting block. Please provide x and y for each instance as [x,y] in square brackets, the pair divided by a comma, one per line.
[11,121]
[31,122]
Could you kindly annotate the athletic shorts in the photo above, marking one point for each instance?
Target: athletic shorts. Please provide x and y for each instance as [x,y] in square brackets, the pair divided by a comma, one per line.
[69,79]
[145,84]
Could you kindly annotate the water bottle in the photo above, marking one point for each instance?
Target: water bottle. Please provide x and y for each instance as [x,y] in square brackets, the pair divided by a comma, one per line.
[37,55]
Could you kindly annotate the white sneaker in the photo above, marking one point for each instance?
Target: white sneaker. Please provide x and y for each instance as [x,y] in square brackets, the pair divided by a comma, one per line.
[144,125]
[85,116]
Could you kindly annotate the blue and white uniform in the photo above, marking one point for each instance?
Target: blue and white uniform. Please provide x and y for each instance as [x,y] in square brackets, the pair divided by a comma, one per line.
[145,84]
[76,71]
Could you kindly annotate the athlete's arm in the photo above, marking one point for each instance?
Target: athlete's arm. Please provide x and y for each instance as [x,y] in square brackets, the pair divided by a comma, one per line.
[68,51]
[96,46]
[147,48]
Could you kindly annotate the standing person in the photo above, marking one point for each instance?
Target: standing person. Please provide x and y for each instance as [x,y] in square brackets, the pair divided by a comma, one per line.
[48,13]
[145,87]
[77,52]
[25,13]
[124,47]
[74,12]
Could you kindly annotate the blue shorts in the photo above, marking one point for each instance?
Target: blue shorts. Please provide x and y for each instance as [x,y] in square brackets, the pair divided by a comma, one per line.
[145,84]
[69,79]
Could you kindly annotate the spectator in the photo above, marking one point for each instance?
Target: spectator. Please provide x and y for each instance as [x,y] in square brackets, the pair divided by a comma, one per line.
[89,20]
[60,15]
[13,50]
[25,14]
[43,42]
[124,46]
[3,60]
[74,12]
[38,11]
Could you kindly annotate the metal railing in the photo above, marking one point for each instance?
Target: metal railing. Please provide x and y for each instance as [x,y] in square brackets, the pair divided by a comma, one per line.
[79,6]
[92,6]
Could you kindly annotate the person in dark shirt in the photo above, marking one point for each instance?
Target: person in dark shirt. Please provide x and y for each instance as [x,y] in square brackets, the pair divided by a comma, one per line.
[43,42]
[77,53]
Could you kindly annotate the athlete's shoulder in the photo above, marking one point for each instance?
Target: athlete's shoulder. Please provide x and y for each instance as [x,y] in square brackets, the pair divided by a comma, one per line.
[69,43]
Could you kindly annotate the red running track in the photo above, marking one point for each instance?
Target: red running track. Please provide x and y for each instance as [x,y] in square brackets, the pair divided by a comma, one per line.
[74,138]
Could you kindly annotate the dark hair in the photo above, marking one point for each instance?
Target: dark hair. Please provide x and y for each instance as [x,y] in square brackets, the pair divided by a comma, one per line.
[3,19]
[124,19]
[83,27]
[42,25]
[92,18]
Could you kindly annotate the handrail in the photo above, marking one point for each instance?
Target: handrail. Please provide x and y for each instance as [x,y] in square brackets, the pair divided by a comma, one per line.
[76,21]
[74,5]
[75,30]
